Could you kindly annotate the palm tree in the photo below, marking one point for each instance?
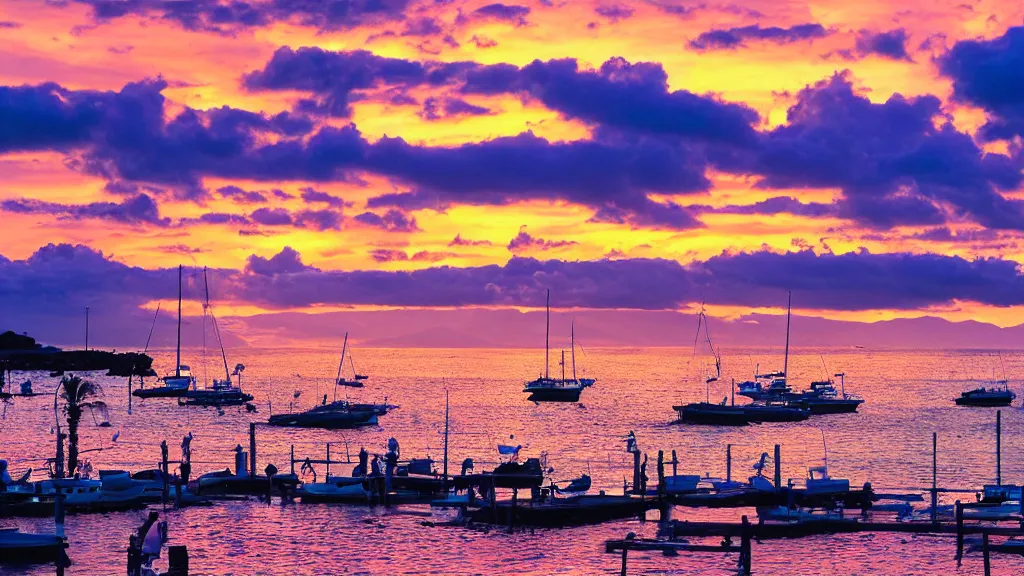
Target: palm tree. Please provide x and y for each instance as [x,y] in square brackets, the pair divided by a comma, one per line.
[77,395]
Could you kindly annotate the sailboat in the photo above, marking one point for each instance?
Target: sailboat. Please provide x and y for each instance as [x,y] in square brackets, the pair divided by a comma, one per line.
[223,392]
[357,379]
[177,384]
[770,384]
[545,388]
[732,415]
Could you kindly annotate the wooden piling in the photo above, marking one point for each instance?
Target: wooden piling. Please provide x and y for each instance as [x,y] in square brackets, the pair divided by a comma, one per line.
[327,475]
[636,472]
[661,474]
[252,449]
[624,552]
[745,554]
[999,447]
[675,464]
[958,507]
[166,474]
[512,510]
[985,554]
[728,462]
[935,477]
[778,467]
[292,458]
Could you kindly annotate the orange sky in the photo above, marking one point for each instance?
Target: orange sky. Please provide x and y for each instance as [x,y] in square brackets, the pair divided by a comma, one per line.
[68,46]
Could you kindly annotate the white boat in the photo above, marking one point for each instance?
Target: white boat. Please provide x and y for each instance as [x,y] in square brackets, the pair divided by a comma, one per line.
[785,514]
[823,484]
[681,484]
[80,492]
[336,489]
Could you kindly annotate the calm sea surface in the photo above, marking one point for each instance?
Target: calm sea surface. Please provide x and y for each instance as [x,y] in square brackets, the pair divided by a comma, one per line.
[909,395]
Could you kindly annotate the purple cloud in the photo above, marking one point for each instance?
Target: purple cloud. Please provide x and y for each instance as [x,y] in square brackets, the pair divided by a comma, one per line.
[241,196]
[313,196]
[524,242]
[503,12]
[139,209]
[614,12]
[891,44]
[392,221]
[460,241]
[440,108]
[731,38]
[990,74]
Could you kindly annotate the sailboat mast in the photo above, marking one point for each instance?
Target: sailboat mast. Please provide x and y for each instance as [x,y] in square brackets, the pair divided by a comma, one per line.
[547,332]
[785,362]
[341,364]
[572,340]
[177,354]
[444,481]
[216,332]
[563,366]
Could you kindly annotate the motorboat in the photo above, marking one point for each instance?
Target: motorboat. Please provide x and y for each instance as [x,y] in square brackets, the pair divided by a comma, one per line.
[336,489]
[823,398]
[18,547]
[819,482]
[988,397]
[337,415]
[787,514]
[764,386]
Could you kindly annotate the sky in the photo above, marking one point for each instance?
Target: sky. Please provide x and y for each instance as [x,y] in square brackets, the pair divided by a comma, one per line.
[324,157]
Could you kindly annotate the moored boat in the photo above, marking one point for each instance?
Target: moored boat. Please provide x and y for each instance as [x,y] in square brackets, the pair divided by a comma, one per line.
[333,416]
[987,397]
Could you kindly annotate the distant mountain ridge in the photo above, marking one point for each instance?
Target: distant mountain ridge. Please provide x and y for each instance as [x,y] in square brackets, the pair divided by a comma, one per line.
[506,328]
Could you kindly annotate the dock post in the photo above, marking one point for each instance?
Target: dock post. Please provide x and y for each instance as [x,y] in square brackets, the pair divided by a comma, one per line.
[292,458]
[177,560]
[252,449]
[327,475]
[661,474]
[636,471]
[935,477]
[985,554]
[167,473]
[959,529]
[778,467]
[624,552]
[745,560]
[512,510]
[999,447]
[728,462]
[675,464]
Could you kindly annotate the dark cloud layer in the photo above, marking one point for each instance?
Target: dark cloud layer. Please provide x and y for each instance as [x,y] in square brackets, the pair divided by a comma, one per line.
[730,38]
[67,277]
[990,74]
[891,44]
[229,16]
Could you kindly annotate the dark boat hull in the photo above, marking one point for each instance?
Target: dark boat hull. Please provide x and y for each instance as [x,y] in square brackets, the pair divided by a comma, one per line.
[160,392]
[776,414]
[554,394]
[328,421]
[712,415]
[984,402]
[833,406]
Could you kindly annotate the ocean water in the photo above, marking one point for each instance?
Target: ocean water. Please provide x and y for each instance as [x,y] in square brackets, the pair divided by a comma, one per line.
[908,396]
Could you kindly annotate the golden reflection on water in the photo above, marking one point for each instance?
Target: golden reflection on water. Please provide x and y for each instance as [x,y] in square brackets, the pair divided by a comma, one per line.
[909,395]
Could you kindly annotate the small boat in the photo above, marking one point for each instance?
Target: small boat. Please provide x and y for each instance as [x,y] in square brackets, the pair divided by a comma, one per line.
[682,484]
[771,384]
[336,489]
[342,380]
[26,548]
[787,514]
[337,415]
[823,484]
[823,398]
[548,389]
[988,397]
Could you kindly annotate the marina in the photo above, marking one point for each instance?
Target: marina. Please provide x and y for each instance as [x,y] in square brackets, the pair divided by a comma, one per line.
[236,478]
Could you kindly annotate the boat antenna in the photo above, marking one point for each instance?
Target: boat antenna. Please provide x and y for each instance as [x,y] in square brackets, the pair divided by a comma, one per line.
[177,353]
[825,446]
[547,332]
[785,362]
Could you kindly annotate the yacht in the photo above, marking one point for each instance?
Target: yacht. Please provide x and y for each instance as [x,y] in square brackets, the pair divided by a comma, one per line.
[993,396]
[545,388]
[176,384]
